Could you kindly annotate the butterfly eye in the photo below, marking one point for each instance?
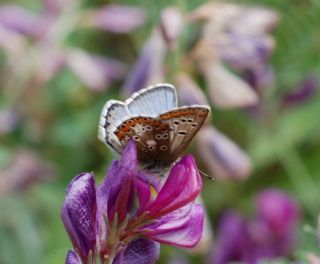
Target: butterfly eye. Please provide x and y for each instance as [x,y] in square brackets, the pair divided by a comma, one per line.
[158,136]
[190,120]
[194,124]
[176,122]
[183,120]
[148,128]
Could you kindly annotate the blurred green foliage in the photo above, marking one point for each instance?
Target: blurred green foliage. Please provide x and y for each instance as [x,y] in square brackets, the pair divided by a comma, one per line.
[285,152]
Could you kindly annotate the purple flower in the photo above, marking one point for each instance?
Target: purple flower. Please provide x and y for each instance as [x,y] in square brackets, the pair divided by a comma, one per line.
[94,71]
[171,25]
[189,91]
[222,156]
[149,66]
[278,211]
[115,18]
[139,251]
[72,258]
[106,222]
[19,19]
[233,240]
[243,51]
[269,236]
[301,93]
[79,214]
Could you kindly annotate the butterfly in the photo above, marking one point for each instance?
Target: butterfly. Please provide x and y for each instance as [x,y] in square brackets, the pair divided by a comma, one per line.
[152,118]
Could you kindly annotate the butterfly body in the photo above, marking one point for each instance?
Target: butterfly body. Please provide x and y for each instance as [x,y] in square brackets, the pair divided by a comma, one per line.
[161,130]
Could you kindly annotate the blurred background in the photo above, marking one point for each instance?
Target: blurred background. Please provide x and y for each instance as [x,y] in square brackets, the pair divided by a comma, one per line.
[256,63]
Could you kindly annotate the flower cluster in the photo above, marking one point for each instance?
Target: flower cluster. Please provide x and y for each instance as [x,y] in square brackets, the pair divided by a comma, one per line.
[42,37]
[122,221]
[270,235]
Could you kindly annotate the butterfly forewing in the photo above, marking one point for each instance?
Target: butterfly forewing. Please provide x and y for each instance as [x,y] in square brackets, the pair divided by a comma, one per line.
[185,123]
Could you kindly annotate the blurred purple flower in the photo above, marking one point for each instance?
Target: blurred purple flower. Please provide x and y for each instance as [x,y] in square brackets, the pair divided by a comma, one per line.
[222,156]
[171,25]
[269,236]
[301,93]
[12,42]
[189,91]
[104,223]
[9,120]
[237,18]
[19,19]
[54,7]
[94,71]
[226,90]
[278,211]
[244,51]
[313,259]
[260,77]
[115,18]
[232,240]
[149,66]
[23,170]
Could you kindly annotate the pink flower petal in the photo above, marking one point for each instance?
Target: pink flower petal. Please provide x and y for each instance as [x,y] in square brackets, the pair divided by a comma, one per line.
[182,186]
[182,228]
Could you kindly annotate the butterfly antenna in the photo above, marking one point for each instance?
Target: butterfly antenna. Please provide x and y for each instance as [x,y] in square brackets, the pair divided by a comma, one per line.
[206,175]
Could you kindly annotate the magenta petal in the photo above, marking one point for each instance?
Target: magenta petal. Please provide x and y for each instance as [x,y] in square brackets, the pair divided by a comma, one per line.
[139,251]
[182,228]
[278,210]
[79,213]
[72,258]
[182,186]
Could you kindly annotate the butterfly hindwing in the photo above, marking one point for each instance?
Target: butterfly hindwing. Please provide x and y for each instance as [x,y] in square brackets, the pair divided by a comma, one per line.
[112,115]
[151,136]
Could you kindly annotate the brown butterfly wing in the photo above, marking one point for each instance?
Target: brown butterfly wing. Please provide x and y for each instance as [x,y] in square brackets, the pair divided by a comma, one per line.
[160,141]
[152,137]
[185,123]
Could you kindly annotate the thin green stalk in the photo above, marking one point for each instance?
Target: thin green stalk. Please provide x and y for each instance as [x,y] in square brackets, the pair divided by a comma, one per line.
[307,189]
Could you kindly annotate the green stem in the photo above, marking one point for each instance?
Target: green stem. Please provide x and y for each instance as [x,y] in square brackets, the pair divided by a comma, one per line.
[302,180]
